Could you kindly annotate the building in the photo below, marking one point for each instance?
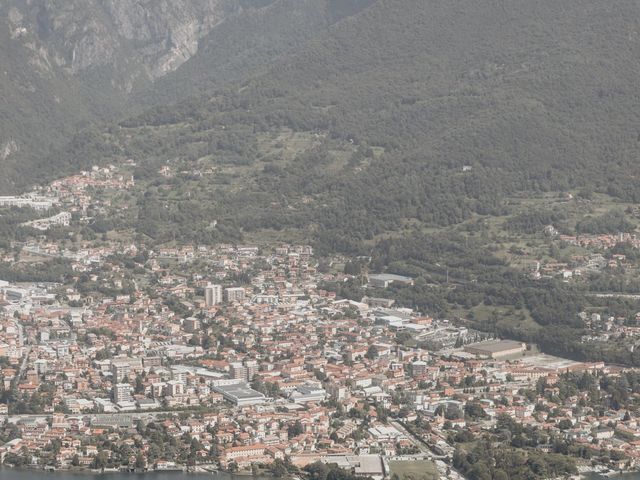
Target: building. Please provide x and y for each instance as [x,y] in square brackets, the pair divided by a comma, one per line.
[238,371]
[240,394]
[244,371]
[37,203]
[244,455]
[61,219]
[113,421]
[174,388]
[266,299]
[122,392]
[337,391]
[383,280]
[371,466]
[496,348]
[384,433]
[13,294]
[234,294]
[120,370]
[252,369]
[308,393]
[41,365]
[418,368]
[213,295]
[191,325]
[148,362]
[378,302]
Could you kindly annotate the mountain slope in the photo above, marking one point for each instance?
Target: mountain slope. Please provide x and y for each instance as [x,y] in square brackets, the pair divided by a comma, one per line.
[366,128]
[39,105]
[70,63]
[130,40]
[245,44]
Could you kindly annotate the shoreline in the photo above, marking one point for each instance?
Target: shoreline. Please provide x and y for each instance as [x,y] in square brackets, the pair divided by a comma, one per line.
[94,472]
[583,473]
[191,471]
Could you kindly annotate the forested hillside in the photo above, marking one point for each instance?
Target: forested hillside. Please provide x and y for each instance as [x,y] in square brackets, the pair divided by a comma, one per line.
[248,43]
[69,64]
[34,108]
[394,101]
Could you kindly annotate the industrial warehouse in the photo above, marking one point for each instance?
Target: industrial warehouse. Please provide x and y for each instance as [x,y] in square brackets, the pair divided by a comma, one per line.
[496,348]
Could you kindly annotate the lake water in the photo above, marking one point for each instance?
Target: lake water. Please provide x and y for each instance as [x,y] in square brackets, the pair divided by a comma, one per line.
[11,474]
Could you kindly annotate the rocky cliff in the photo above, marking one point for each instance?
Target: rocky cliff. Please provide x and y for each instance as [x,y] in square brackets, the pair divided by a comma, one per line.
[134,39]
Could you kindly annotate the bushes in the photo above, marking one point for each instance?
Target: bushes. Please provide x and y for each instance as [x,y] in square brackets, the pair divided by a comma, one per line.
[611,222]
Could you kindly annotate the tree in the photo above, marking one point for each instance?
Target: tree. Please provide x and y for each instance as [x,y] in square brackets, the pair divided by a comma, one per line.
[317,471]
[278,468]
[140,461]
[565,424]
[480,471]
[403,337]
[139,385]
[101,460]
[321,471]
[372,353]
[474,410]
[353,268]
[56,445]
[296,429]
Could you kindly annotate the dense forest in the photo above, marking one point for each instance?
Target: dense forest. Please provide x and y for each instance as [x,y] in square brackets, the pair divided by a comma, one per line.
[395,100]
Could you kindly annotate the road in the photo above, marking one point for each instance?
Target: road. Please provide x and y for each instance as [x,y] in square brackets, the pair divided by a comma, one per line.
[445,470]
[629,296]
[418,442]
[23,366]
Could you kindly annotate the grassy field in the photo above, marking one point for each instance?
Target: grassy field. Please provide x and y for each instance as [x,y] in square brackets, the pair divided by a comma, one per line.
[416,470]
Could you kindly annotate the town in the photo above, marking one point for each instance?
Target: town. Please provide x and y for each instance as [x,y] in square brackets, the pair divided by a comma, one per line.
[319,240]
[243,358]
